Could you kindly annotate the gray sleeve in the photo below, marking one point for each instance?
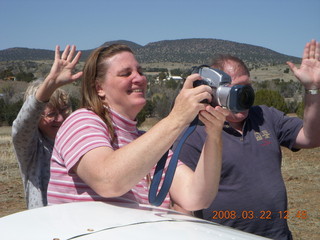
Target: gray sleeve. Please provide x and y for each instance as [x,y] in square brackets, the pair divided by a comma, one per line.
[25,132]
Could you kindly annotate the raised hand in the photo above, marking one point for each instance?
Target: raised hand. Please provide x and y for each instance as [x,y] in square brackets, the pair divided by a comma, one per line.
[309,71]
[62,69]
[61,72]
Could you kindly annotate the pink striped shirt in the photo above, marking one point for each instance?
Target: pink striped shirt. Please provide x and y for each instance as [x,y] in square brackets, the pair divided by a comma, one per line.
[81,132]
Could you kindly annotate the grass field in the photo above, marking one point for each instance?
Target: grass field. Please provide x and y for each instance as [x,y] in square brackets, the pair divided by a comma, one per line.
[301,172]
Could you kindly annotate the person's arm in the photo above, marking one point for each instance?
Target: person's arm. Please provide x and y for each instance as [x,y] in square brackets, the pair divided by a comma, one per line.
[196,190]
[25,126]
[113,173]
[25,131]
[309,75]
[60,74]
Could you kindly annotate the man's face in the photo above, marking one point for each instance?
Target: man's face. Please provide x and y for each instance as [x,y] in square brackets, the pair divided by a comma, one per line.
[237,79]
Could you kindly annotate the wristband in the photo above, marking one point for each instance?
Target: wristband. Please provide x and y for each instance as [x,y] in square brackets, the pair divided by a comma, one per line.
[312,91]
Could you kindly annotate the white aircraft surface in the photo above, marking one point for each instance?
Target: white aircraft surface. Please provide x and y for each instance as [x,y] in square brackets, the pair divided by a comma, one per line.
[101,221]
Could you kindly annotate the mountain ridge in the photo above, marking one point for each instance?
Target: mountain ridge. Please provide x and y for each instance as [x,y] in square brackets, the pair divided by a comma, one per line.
[191,50]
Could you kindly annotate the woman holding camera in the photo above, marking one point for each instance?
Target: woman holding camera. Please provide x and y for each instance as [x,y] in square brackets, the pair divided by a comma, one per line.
[99,153]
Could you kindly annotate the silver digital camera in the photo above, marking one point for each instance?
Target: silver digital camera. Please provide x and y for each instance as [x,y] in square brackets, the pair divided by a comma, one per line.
[236,98]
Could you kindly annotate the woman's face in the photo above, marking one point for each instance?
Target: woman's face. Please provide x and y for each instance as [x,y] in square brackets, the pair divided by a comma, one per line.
[52,119]
[124,86]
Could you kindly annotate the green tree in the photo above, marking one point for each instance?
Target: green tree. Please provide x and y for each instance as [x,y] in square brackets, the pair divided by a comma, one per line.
[2,111]
[293,106]
[147,111]
[6,73]
[300,110]
[26,77]
[173,84]
[11,111]
[162,76]
[176,72]
[270,98]
[8,91]
[163,105]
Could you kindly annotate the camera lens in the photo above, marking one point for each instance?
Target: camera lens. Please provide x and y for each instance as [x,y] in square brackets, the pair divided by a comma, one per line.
[241,98]
[246,97]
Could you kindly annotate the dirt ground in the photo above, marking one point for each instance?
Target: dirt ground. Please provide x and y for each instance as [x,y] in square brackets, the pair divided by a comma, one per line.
[301,172]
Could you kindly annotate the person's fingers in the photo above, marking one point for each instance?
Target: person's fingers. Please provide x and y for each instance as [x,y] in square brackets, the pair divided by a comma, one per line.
[312,49]
[76,76]
[57,53]
[76,59]
[292,66]
[202,93]
[71,53]
[215,113]
[65,53]
[306,51]
[317,52]
[190,79]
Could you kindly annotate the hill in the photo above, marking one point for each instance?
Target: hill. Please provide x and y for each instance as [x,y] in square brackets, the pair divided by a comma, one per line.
[195,51]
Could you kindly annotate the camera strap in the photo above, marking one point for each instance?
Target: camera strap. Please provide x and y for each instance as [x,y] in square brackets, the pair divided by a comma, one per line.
[157,199]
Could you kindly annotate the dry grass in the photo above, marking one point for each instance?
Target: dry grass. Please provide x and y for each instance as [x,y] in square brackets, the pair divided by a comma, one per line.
[301,172]
[11,189]
[8,165]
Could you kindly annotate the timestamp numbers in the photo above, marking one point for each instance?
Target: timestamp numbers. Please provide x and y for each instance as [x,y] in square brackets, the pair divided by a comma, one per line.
[231,214]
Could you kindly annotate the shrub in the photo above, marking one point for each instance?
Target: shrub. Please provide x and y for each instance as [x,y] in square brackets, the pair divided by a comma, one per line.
[10,111]
[271,98]
[147,111]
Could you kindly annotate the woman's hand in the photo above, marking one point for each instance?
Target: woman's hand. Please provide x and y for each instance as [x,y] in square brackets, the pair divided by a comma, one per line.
[61,72]
[188,103]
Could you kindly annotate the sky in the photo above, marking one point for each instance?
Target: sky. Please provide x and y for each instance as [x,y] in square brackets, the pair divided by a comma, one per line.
[284,26]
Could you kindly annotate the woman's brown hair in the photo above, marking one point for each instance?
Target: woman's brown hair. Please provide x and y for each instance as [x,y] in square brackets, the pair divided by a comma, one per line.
[94,72]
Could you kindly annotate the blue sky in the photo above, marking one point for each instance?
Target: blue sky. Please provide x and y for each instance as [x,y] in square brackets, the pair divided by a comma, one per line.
[280,25]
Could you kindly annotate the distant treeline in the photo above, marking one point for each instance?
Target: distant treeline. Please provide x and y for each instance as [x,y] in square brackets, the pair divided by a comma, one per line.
[285,96]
